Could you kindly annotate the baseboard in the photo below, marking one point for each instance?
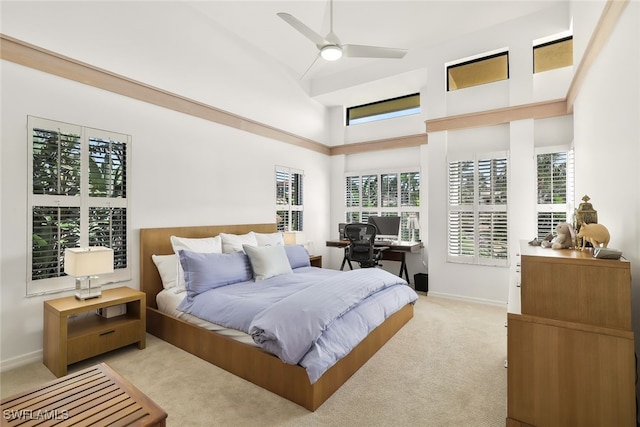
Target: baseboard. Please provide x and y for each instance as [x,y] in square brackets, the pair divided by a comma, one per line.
[25,359]
[469,299]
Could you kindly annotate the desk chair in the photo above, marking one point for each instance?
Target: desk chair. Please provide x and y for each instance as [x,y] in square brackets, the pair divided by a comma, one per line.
[361,247]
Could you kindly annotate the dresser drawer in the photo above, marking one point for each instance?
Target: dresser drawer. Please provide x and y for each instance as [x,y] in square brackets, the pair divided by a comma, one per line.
[93,343]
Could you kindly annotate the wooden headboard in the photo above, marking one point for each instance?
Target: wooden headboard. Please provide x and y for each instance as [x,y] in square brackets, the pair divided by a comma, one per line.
[155,241]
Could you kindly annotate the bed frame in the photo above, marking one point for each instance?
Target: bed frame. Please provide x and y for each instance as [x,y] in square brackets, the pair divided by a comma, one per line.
[245,361]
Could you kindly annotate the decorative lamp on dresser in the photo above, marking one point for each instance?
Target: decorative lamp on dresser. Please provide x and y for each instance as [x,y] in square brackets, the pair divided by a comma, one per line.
[570,350]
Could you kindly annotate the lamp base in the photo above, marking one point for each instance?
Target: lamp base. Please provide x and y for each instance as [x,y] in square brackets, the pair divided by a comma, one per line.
[85,290]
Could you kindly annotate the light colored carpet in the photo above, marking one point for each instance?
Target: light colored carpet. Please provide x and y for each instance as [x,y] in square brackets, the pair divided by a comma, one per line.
[444,368]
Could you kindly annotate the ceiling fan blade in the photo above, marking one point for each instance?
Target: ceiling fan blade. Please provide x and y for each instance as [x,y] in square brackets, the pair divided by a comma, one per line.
[317,39]
[360,51]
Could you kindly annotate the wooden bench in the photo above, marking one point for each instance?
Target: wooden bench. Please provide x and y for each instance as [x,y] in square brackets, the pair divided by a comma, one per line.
[96,396]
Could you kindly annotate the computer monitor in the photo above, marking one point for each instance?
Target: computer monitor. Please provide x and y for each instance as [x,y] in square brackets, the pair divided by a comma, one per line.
[388,226]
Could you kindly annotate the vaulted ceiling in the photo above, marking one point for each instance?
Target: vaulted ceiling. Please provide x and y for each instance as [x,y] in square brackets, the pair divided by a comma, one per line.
[146,39]
[415,25]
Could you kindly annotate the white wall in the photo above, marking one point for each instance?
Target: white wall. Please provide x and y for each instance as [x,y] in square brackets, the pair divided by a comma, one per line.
[186,171]
[607,141]
[163,52]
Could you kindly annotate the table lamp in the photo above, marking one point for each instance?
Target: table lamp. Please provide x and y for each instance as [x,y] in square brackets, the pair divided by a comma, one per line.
[297,238]
[413,224]
[85,264]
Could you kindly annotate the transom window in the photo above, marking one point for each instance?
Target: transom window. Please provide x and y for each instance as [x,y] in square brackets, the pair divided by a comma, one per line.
[554,54]
[390,193]
[79,184]
[478,71]
[387,109]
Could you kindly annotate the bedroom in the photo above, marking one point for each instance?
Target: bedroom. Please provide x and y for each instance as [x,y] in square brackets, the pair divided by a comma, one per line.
[195,190]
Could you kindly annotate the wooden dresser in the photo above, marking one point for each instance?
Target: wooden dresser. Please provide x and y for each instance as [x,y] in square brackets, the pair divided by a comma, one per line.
[570,351]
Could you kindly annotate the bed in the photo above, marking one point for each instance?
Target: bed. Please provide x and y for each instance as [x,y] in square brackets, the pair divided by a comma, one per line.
[241,358]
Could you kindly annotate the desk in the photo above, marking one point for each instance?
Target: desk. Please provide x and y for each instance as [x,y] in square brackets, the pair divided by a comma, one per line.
[396,252]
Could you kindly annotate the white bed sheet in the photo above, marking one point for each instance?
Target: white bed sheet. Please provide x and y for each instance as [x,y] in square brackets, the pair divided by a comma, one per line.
[169,299]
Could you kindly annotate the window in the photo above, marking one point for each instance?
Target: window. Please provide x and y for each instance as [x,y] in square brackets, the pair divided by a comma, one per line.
[478,71]
[79,185]
[387,109]
[289,200]
[384,194]
[555,189]
[553,54]
[478,210]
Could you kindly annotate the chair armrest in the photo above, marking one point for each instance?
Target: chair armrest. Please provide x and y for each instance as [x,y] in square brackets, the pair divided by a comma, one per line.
[381,248]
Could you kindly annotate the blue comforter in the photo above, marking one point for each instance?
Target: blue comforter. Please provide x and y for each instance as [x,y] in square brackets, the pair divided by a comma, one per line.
[312,317]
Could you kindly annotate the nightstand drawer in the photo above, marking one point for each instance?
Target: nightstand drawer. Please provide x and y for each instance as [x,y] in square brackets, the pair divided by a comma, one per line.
[93,343]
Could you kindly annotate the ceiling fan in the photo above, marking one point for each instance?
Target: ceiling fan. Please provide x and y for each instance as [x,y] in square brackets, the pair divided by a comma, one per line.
[331,49]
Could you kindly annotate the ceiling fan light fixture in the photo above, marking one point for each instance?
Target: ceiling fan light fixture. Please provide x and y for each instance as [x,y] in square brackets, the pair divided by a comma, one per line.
[331,52]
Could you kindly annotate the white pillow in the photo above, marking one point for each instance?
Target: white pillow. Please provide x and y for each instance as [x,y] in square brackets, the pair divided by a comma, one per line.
[168,269]
[234,242]
[269,239]
[200,245]
[267,261]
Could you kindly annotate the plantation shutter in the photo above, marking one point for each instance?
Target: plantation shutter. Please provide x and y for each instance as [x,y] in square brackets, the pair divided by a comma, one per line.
[384,193]
[289,199]
[461,208]
[389,190]
[108,194]
[477,219]
[554,168]
[492,217]
[78,178]
[369,191]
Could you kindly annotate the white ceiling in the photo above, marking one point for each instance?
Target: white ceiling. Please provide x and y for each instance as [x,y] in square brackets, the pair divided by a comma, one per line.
[162,42]
[415,25]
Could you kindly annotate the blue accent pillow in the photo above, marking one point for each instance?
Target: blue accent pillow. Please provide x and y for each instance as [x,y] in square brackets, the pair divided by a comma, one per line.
[298,256]
[206,271]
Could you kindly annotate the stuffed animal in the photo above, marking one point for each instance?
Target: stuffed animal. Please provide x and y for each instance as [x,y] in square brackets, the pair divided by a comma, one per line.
[565,235]
[596,234]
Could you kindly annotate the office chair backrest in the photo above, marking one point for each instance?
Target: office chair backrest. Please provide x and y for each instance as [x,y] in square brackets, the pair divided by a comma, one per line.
[361,244]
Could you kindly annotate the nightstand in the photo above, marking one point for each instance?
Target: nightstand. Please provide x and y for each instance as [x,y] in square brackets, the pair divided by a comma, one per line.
[74,332]
[315,260]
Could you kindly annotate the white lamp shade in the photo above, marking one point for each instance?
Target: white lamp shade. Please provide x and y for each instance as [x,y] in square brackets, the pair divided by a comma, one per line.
[293,238]
[414,223]
[91,261]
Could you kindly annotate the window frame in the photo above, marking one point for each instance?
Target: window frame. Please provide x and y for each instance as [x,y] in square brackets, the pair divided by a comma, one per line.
[383,109]
[290,215]
[355,211]
[565,208]
[82,201]
[546,44]
[472,212]
[476,60]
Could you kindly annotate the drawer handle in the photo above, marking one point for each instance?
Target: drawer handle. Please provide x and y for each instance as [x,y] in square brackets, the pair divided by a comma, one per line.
[107,332]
